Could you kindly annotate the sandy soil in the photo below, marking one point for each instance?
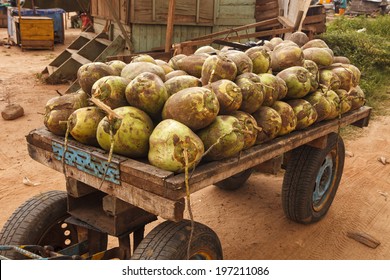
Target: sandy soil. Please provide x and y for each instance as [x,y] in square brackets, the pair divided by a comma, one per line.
[250,221]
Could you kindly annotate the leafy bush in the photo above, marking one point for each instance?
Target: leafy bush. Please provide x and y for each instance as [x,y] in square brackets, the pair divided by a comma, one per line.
[366,42]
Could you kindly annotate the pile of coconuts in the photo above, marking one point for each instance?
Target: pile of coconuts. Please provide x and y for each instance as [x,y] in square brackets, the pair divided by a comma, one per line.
[209,105]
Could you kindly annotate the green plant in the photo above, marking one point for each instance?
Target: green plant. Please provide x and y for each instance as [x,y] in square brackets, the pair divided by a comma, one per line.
[366,42]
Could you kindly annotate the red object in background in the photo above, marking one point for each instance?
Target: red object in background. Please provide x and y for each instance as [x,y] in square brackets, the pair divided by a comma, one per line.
[86,22]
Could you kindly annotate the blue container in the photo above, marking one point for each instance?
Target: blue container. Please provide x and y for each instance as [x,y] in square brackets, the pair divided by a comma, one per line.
[57,16]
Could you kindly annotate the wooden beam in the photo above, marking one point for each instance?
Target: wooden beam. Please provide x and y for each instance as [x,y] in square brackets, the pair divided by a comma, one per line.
[170,22]
[114,14]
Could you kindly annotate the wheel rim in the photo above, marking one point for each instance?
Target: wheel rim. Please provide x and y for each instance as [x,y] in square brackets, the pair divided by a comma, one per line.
[324,181]
[60,235]
[201,255]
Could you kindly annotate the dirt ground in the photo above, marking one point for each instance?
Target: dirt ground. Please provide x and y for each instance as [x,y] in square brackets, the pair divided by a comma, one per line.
[250,221]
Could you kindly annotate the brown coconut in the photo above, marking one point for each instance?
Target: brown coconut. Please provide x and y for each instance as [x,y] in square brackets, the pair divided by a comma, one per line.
[270,122]
[229,95]
[286,112]
[252,94]
[218,67]
[261,59]
[178,83]
[196,107]
[286,57]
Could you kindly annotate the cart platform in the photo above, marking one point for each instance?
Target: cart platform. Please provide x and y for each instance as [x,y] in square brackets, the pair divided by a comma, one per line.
[162,192]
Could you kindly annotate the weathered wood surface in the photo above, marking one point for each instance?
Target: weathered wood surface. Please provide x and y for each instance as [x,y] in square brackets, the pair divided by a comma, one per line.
[162,192]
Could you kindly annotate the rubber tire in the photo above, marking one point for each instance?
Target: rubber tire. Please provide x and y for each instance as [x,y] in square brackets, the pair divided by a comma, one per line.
[299,180]
[236,181]
[39,221]
[169,241]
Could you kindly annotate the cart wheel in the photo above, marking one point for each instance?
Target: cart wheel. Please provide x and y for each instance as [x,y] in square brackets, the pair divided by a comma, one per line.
[311,180]
[169,241]
[41,221]
[236,181]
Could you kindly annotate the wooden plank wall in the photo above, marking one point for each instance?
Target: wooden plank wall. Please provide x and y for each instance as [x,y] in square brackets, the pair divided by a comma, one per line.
[235,13]
[186,12]
[147,37]
[266,9]
[100,10]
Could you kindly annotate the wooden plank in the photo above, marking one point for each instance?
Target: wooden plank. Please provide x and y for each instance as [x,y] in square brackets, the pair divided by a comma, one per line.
[285,21]
[268,15]
[233,30]
[315,19]
[152,203]
[170,23]
[260,34]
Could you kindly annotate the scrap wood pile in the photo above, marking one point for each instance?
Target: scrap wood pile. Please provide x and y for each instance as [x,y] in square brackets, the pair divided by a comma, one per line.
[206,106]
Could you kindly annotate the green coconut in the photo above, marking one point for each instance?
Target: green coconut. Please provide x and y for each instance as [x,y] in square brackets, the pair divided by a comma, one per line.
[164,65]
[223,138]
[328,79]
[261,59]
[175,73]
[131,135]
[285,43]
[195,107]
[270,122]
[345,100]
[117,66]
[249,126]
[89,73]
[178,83]
[242,60]
[111,91]
[341,59]
[315,43]
[274,42]
[298,37]
[173,61]
[286,57]
[348,76]
[334,101]
[148,93]
[312,67]
[298,81]
[143,58]
[83,124]
[205,49]
[304,111]
[357,97]
[218,67]
[252,94]
[169,142]
[321,56]
[283,89]
[320,103]
[229,95]
[133,69]
[286,112]
[59,108]
[192,64]
[270,88]
[251,76]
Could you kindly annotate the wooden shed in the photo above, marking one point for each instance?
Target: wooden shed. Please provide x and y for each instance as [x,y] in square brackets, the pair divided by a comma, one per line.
[145,21]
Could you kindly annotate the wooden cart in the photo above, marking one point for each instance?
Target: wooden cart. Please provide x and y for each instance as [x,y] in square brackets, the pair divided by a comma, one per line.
[133,193]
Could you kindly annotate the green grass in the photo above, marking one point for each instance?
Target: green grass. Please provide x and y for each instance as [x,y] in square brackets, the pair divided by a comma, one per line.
[369,50]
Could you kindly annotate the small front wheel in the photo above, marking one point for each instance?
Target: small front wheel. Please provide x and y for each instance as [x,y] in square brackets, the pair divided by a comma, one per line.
[311,180]
[171,241]
[41,221]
